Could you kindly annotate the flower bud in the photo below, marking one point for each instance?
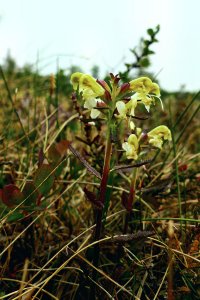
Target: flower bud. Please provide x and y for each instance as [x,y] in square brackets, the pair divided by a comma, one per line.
[124,88]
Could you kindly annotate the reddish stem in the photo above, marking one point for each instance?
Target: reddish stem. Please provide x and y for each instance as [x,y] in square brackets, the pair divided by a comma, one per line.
[130,204]
[106,169]
[102,196]
[103,186]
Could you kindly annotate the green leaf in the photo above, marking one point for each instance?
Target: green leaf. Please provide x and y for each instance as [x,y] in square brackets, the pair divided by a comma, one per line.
[44,180]
[157,29]
[155,40]
[149,52]
[150,31]
[15,216]
[59,167]
[30,194]
[144,62]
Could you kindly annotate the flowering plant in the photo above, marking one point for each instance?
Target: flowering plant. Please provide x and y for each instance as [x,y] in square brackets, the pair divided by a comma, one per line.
[116,105]
[119,103]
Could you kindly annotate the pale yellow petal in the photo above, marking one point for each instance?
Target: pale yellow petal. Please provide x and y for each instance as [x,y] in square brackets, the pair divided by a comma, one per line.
[90,103]
[88,94]
[156,142]
[94,113]
[122,109]
[138,131]
[154,90]
[141,84]
[75,79]
[158,134]
[162,131]
[88,82]
[126,146]
[132,125]
[131,105]
[131,152]
[133,140]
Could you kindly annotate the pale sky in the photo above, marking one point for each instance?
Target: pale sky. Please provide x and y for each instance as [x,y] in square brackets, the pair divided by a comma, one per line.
[101,32]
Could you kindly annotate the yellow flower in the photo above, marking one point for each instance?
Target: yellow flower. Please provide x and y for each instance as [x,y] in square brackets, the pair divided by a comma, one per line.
[87,84]
[154,90]
[141,85]
[132,125]
[131,147]
[131,105]
[158,134]
[145,91]
[128,108]
[75,79]
[90,91]
[138,130]
[122,109]
[145,99]
[91,104]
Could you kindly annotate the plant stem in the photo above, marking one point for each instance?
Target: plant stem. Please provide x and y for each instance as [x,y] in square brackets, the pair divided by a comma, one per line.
[106,169]
[103,187]
[57,92]
[99,216]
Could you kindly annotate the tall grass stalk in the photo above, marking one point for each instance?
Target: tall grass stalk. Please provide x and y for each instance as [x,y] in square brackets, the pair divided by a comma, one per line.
[57,94]
[174,142]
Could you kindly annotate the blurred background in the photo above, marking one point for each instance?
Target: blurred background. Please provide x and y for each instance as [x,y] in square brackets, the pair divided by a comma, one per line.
[89,33]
